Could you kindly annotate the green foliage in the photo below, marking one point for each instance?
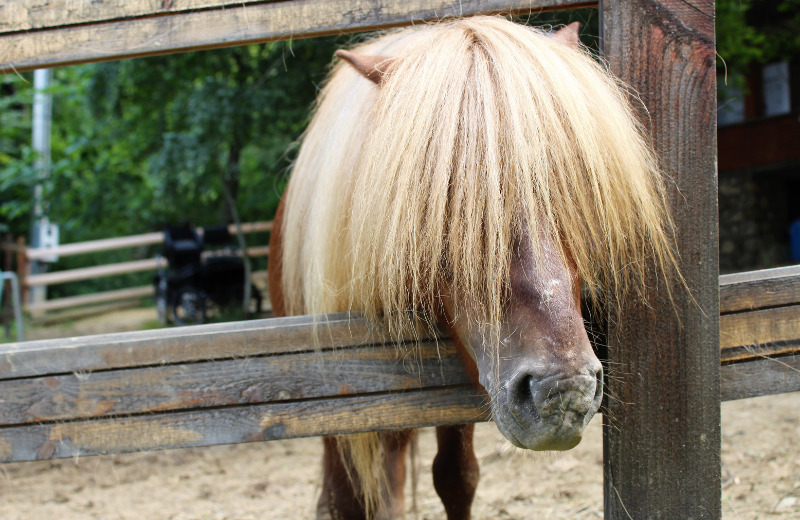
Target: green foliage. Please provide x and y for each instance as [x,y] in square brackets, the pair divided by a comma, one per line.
[140,143]
[588,17]
[16,157]
[171,130]
[756,32]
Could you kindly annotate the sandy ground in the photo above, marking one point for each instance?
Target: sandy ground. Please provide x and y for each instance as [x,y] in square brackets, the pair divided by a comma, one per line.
[280,479]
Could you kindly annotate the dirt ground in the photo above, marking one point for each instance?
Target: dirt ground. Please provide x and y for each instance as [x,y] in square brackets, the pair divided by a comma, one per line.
[280,479]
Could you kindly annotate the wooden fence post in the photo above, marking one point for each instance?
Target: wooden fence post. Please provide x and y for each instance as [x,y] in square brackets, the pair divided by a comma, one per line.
[662,430]
[5,320]
[23,269]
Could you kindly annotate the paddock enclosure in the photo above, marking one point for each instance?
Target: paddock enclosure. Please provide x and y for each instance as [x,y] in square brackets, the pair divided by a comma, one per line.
[260,380]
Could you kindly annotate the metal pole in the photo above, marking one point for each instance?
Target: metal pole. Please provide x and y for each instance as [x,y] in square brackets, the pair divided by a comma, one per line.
[42,117]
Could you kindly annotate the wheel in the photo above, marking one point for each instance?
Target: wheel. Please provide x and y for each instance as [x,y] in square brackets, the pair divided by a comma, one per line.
[189,307]
[256,295]
[162,309]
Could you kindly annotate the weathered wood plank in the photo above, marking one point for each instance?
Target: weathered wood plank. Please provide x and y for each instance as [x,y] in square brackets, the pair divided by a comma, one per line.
[334,416]
[263,336]
[258,337]
[757,351]
[188,381]
[760,314]
[204,385]
[23,15]
[295,418]
[767,376]
[661,435]
[748,335]
[252,380]
[185,344]
[231,24]
[758,289]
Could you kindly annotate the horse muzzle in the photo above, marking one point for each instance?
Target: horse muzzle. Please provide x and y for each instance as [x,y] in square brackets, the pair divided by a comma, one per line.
[551,412]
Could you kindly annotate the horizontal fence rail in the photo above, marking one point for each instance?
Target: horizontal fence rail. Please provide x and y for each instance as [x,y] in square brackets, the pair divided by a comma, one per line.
[218,384]
[134,266]
[70,302]
[760,332]
[108,244]
[294,377]
[50,34]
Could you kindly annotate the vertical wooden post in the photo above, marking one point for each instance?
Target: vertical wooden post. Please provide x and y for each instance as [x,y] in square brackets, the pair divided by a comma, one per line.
[23,269]
[5,300]
[662,425]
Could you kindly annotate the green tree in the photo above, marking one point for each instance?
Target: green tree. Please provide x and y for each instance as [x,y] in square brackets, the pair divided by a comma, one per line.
[192,126]
[16,160]
[140,143]
[756,32]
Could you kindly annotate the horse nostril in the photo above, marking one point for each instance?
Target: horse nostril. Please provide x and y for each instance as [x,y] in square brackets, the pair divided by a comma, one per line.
[524,395]
[598,390]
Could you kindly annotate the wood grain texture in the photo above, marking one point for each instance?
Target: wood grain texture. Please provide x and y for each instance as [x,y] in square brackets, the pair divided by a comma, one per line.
[186,344]
[766,376]
[237,382]
[759,289]
[661,435]
[760,314]
[150,30]
[223,383]
[251,380]
[177,345]
[243,424]
[752,334]
[22,15]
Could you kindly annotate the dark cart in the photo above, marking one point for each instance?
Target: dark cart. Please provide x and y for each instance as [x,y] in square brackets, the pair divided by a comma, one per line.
[196,283]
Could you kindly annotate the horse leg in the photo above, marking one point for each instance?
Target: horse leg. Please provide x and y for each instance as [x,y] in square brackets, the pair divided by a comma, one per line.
[395,447]
[341,500]
[455,470]
[338,500]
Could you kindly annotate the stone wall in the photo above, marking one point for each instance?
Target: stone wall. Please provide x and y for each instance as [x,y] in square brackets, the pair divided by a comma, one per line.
[755,211]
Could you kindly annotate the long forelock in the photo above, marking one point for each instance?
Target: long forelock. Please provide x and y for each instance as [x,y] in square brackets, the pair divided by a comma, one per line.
[482,131]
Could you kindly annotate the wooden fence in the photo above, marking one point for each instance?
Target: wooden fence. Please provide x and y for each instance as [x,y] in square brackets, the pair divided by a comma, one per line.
[27,280]
[662,457]
[292,377]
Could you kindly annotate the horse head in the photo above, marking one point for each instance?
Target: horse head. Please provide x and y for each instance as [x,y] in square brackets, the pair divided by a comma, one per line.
[538,367]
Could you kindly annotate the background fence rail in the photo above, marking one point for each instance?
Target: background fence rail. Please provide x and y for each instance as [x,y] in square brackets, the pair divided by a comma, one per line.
[25,255]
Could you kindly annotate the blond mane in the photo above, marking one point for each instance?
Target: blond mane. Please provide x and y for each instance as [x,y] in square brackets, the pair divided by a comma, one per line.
[481,131]
[481,128]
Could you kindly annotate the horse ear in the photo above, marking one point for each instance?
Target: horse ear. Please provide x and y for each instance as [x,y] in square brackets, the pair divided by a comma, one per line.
[568,35]
[371,67]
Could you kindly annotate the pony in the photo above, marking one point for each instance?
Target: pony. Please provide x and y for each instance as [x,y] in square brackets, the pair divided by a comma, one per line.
[472,174]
